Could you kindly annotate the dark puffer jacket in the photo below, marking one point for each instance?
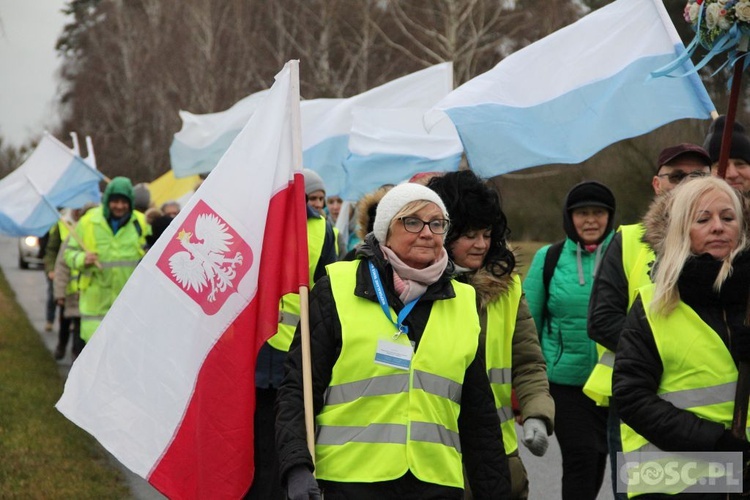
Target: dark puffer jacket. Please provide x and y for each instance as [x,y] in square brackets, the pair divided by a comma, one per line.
[479,425]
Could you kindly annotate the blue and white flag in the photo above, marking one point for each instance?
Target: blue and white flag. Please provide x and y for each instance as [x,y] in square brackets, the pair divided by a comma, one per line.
[389,146]
[326,123]
[567,96]
[53,176]
[203,139]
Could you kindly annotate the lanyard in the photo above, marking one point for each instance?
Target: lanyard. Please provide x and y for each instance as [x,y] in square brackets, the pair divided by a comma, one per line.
[400,326]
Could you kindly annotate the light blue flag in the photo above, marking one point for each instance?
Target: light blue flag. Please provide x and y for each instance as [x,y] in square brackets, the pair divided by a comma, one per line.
[204,138]
[388,146]
[569,95]
[53,176]
[326,123]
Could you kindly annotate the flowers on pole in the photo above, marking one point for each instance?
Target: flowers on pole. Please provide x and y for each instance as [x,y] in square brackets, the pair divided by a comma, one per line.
[718,24]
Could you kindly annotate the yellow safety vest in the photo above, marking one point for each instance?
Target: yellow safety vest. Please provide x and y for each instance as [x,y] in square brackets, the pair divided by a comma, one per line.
[119,255]
[378,421]
[636,260]
[501,323]
[63,229]
[289,304]
[701,379]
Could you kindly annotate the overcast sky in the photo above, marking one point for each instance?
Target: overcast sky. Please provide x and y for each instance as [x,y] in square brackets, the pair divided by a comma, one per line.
[28,67]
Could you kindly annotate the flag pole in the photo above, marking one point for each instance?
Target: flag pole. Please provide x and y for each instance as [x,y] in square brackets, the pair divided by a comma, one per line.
[303,289]
[726,137]
[742,392]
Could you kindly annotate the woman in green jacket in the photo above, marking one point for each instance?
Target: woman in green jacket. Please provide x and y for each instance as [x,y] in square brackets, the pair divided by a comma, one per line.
[559,307]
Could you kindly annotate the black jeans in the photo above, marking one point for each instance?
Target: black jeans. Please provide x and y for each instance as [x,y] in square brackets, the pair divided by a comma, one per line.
[581,430]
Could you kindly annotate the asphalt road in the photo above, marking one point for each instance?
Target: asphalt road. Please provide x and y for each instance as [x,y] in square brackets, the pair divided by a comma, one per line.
[30,287]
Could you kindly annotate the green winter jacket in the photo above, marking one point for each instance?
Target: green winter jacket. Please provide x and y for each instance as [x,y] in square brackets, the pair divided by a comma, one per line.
[567,349]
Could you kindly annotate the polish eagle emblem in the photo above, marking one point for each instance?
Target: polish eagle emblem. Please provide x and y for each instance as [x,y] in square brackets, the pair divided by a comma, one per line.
[203,261]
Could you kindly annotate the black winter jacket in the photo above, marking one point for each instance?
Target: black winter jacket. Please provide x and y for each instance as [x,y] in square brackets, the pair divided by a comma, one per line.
[608,305]
[609,298]
[479,426]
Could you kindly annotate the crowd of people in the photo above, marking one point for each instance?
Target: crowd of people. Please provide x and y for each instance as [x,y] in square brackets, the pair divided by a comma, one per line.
[87,270]
[432,361]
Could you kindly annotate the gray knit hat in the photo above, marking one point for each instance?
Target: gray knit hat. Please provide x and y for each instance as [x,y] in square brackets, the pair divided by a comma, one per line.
[141,197]
[395,200]
[313,182]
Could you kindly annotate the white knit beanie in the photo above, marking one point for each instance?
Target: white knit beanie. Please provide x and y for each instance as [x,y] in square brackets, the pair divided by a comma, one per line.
[395,199]
[313,182]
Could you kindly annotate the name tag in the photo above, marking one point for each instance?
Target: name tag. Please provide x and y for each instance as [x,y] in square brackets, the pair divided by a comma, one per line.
[393,355]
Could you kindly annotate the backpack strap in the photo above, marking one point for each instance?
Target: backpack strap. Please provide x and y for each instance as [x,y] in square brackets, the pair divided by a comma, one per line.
[550,263]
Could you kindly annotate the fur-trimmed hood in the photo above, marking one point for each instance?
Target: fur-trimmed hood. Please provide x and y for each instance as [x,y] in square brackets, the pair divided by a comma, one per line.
[488,286]
[655,222]
[366,210]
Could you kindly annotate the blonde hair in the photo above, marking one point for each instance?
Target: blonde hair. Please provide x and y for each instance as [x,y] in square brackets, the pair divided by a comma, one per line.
[683,205]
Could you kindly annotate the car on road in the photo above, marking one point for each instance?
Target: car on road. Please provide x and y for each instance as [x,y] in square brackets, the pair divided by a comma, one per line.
[29,251]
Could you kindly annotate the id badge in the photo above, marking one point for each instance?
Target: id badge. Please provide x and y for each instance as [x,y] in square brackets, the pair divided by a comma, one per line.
[394,355]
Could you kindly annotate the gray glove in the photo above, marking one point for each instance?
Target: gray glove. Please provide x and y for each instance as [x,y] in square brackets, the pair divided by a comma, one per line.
[535,436]
[301,484]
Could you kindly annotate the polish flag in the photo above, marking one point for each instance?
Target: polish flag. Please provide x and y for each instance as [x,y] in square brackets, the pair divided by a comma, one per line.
[166,384]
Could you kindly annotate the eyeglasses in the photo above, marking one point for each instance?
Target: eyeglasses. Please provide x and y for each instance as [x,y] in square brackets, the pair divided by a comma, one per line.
[415,225]
[679,175]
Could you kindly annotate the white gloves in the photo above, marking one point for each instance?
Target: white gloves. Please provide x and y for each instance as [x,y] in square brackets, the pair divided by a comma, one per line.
[535,436]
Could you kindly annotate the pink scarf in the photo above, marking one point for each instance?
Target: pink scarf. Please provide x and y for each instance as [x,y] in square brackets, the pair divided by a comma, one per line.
[410,283]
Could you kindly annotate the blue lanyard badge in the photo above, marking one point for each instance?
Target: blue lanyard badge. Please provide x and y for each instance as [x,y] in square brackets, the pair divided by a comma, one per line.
[399,324]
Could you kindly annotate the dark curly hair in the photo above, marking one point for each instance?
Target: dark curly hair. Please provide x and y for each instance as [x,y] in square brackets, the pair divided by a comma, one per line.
[473,205]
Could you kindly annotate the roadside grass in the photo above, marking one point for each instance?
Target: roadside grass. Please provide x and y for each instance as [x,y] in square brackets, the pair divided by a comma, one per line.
[525,251]
[42,454]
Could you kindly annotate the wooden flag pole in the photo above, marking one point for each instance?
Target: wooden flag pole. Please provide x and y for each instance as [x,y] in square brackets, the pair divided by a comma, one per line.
[726,137]
[304,316]
[742,393]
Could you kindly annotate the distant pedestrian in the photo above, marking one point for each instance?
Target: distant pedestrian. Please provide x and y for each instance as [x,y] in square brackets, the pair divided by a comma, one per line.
[558,286]
[114,238]
[66,295]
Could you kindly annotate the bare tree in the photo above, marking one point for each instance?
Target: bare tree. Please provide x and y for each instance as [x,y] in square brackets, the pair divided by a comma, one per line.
[474,34]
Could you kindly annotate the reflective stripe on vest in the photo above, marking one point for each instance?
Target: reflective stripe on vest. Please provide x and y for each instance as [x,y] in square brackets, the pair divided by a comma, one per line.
[700,380]
[119,263]
[289,303]
[636,264]
[378,422]
[501,323]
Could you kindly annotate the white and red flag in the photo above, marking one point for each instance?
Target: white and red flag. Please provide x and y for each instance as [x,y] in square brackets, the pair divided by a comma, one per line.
[166,384]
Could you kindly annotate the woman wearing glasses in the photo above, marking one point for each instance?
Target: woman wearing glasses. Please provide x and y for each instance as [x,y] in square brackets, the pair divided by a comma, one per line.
[400,393]
[559,305]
